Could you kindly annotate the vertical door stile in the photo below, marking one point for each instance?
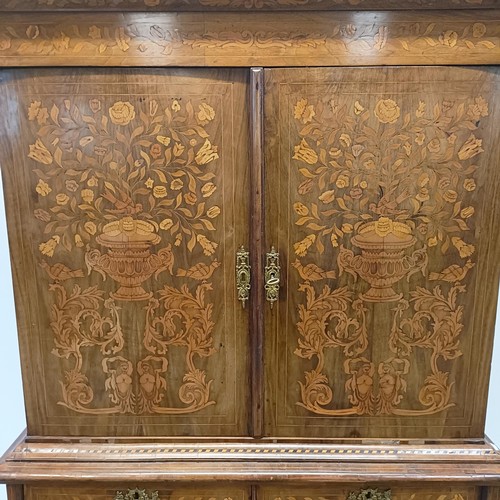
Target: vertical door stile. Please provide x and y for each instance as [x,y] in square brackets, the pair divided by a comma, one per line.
[257,247]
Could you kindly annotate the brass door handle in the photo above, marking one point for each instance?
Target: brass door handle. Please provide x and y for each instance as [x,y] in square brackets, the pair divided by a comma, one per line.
[272,276]
[243,275]
[136,494]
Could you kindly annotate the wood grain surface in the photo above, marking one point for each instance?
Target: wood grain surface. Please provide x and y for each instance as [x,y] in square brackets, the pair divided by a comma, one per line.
[381,197]
[253,39]
[210,492]
[85,473]
[123,248]
[243,5]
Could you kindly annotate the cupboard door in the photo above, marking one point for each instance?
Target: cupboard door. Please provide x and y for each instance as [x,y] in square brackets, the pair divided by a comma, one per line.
[124,218]
[382,200]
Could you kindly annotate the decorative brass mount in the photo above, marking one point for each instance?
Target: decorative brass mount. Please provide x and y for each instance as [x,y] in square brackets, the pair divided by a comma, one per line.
[272,276]
[136,494]
[243,275]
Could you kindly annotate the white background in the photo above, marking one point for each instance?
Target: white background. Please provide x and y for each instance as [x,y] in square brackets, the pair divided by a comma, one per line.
[12,419]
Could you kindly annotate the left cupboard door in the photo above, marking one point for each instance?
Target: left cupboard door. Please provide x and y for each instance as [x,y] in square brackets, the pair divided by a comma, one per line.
[127,199]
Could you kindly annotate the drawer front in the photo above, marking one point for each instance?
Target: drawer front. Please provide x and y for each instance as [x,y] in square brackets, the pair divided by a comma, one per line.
[372,492]
[138,492]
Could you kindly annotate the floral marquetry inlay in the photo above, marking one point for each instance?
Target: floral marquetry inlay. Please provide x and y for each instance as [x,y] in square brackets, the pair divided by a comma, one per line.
[132,185]
[385,210]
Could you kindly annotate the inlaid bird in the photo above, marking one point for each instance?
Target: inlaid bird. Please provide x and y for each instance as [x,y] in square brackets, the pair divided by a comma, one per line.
[454,273]
[199,271]
[60,272]
[312,272]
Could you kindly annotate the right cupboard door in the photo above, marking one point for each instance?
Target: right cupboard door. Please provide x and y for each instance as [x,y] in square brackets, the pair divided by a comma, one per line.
[382,200]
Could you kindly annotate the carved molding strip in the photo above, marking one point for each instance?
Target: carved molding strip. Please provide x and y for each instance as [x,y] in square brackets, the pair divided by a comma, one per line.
[327,39]
[170,5]
[267,452]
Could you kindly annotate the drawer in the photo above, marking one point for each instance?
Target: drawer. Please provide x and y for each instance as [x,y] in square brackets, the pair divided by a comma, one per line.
[372,492]
[138,492]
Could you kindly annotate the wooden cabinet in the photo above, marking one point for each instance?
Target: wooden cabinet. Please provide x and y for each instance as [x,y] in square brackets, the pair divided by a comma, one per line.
[137,203]
[380,196]
[252,281]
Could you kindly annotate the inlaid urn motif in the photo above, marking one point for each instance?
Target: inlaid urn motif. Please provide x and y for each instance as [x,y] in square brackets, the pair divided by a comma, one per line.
[129,260]
[383,260]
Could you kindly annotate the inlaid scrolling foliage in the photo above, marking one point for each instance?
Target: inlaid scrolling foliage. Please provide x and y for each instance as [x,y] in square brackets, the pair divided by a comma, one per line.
[129,185]
[386,183]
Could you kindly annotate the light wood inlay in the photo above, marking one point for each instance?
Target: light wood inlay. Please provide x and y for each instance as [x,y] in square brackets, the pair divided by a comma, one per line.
[132,231]
[380,202]
[225,39]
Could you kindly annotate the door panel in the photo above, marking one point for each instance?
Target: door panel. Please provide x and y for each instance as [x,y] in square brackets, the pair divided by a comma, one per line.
[381,197]
[124,217]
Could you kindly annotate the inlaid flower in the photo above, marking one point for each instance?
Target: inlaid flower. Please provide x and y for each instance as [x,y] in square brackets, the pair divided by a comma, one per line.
[305,186]
[432,242]
[387,111]
[94,32]
[467,212]
[464,249]
[450,196]
[334,239]
[178,149]
[327,196]
[478,30]
[162,139]
[87,195]
[342,181]
[420,110]
[301,209]
[347,228]
[166,224]
[100,150]
[369,164]
[434,145]
[471,148]
[93,181]
[78,241]
[423,194]
[304,112]
[48,247]
[478,109]
[208,246]
[449,38]
[40,153]
[153,107]
[190,198]
[420,138]
[213,212]
[42,188]
[90,227]
[122,113]
[159,191]
[32,31]
[305,153]
[206,153]
[357,149]
[302,246]
[42,215]
[62,199]
[358,108]
[363,184]
[176,184]
[345,140]
[71,185]
[176,106]
[155,151]
[356,193]
[205,112]
[95,105]
[469,184]
[208,189]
